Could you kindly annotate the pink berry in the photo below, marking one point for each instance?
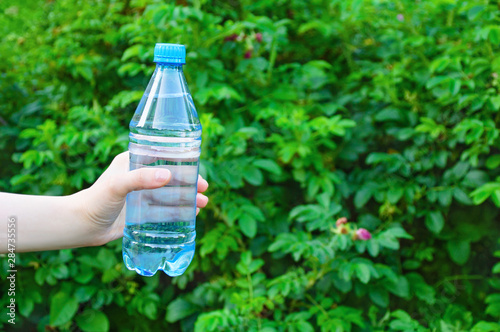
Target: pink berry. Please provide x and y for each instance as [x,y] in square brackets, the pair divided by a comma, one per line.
[363,234]
[231,37]
[341,221]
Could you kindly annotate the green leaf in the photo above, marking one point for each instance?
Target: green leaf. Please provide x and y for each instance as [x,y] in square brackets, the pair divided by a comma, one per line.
[388,241]
[439,65]
[495,197]
[379,296]
[109,275]
[476,178]
[400,288]
[460,169]
[150,310]
[461,196]
[342,285]
[434,81]
[285,93]
[362,197]
[495,102]
[494,35]
[86,73]
[482,193]
[62,308]
[398,232]
[106,258]
[26,306]
[269,165]
[131,69]
[132,51]
[93,321]
[493,161]
[455,85]
[388,114]
[395,194]
[85,274]
[41,275]
[405,133]
[60,271]
[402,315]
[255,265]
[402,326]
[493,309]
[248,225]
[253,175]
[444,197]
[324,201]
[254,211]
[85,293]
[268,329]
[434,221]
[459,251]
[483,326]
[363,272]
[474,12]
[373,248]
[304,326]
[421,289]
[179,309]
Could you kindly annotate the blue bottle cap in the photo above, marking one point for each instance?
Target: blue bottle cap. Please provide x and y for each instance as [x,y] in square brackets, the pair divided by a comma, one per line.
[170,53]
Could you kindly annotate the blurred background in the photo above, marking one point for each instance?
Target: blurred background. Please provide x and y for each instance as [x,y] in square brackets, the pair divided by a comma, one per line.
[382,112]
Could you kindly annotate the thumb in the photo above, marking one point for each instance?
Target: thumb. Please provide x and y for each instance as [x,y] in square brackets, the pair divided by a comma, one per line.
[138,179]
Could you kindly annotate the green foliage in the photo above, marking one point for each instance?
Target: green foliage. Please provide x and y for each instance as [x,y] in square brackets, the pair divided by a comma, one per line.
[383,112]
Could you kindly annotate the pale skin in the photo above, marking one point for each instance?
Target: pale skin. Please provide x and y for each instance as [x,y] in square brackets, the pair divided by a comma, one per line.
[91,217]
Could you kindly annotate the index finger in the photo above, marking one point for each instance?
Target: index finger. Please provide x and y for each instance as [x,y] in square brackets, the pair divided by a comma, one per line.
[202,184]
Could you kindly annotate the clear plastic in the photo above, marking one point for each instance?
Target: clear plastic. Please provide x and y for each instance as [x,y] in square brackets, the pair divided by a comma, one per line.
[164,132]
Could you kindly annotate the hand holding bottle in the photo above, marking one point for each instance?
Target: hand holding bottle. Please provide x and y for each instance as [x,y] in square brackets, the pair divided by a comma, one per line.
[103,204]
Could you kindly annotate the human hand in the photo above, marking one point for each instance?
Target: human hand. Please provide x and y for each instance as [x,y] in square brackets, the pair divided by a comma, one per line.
[103,204]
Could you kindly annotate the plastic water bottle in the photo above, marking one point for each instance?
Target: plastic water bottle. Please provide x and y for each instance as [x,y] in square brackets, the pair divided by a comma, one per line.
[164,132]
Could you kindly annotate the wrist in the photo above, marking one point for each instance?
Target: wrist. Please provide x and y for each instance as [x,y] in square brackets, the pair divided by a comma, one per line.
[87,231]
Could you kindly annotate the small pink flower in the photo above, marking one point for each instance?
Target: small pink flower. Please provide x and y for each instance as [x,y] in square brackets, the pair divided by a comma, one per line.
[341,221]
[363,234]
[400,17]
[258,37]
[248,54]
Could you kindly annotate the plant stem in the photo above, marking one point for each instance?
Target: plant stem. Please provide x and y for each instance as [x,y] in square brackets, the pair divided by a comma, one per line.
[310,298]
[459,277]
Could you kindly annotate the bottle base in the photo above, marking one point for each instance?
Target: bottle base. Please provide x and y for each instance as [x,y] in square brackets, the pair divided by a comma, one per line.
[146,261]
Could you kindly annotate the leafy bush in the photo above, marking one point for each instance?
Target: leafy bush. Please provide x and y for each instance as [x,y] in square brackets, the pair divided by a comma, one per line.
[382,112]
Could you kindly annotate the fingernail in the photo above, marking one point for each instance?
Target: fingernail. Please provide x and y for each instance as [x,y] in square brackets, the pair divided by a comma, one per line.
[162,174]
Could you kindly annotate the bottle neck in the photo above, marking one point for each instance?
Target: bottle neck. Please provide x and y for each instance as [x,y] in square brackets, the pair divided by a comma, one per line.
[169,67]
[168,80]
